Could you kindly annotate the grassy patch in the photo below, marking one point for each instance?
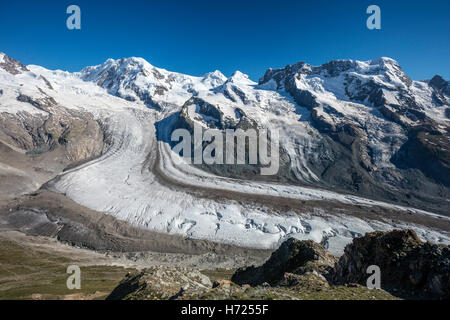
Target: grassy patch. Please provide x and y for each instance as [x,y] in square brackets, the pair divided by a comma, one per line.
[30,274]
[219,273]
[34,152]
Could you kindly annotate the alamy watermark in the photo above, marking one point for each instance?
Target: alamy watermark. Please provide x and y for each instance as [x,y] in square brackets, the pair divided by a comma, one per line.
[74,20]
[374,281]
[207,146]
[74,280]
[374,20]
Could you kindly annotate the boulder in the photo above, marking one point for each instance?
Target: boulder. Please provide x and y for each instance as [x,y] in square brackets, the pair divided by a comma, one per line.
[293,256]
[160,283]
[409,267]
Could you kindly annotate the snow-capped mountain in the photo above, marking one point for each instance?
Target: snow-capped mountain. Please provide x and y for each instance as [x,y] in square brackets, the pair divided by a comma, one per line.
[136,79]
[355,137]
[396,129]
[366,119]
[380,83]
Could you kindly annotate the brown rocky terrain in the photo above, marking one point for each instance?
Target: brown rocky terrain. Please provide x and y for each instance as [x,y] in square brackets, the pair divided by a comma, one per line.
[409,267]
[52,215]
[36,148]
[175,283]
[305,270]
[293,256]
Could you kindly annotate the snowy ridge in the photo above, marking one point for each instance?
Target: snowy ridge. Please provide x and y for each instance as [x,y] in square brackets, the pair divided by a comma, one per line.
[135,79]
[132,180]
[132,193]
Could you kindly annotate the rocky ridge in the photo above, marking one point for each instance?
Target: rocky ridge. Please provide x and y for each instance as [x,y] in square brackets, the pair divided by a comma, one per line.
[63,119]
[305,270]
[409,267]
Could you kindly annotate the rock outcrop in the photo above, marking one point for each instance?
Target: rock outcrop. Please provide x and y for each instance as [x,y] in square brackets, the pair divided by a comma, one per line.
[409,267]
[296,270]
[293,256]
[305,270]
[77,133]
[159,283]
[11,65]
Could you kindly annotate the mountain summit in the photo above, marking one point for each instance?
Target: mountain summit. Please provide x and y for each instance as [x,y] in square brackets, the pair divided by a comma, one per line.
[356,139]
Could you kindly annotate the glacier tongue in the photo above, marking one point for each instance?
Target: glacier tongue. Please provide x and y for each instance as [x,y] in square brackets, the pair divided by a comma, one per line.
[137,179]
[122,182]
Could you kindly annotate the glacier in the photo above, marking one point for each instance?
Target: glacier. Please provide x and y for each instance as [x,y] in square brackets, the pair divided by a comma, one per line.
[139,179]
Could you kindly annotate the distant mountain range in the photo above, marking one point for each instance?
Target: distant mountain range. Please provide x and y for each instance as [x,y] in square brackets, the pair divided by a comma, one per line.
[359,133]
[364,126]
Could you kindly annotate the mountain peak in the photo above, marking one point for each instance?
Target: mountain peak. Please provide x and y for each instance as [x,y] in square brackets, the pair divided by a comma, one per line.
[384,60]
[239,77]
[11,65]
[238,74]
[215,78]
[131,62]
[215,74]
[438,82]
[384,66]
[128,67]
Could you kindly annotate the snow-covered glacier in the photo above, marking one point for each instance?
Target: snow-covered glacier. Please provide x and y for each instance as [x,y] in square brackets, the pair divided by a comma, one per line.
[139,179]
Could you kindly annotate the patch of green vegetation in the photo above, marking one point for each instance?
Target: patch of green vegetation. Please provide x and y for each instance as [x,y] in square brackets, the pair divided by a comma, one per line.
[31,274]
[295,293]
[35,152]
[219,274]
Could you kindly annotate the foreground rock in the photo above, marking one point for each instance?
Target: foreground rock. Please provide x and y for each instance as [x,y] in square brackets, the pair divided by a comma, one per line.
[184,284]
[159,283]
[409,267]
[305,270]
[293,256]
[297,270]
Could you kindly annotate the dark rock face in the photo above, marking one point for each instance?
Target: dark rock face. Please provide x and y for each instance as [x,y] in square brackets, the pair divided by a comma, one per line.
[12,66]
[128,285]
[214,118]
[419,163]
[160,283]
[441,90]
[426,150]
[77,132]
[409,267]
[437,82]
[293,256]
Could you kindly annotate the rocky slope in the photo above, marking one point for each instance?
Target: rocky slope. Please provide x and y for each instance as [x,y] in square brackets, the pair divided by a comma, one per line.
[385,129]
[304,270]
[101,137]
[409,267]
[161,283]
[365,127]
[48,125]
[39,136]
[293,256]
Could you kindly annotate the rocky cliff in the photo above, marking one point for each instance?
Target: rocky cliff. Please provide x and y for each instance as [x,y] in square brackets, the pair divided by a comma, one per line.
[305,270]
[409,267]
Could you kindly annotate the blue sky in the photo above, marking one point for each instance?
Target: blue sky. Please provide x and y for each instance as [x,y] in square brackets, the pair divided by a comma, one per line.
[197,36]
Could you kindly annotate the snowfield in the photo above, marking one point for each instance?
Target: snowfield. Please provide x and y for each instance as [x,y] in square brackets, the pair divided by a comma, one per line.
[122,183]
[134,178]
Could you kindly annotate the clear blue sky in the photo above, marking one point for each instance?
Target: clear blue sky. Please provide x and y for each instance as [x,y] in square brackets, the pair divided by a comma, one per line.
[194,37]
